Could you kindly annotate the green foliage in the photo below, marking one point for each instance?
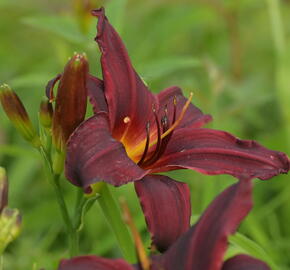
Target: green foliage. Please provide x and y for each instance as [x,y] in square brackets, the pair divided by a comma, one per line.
[236,69]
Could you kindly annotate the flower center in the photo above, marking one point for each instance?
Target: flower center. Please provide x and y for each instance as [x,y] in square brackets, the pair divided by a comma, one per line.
[159,143]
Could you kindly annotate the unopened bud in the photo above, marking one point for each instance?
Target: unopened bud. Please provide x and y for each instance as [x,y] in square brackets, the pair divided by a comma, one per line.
[71,100]
[45,113]
[3,189]
[10,225]
[16,112]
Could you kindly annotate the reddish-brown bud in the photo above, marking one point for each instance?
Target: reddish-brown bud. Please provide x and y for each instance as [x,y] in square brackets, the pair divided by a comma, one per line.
[3,189]
[16,112]
[71,100]
[45,113]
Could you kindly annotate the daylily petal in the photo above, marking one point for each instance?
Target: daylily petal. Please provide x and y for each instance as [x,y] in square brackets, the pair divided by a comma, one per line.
[166,206]
[93,155]
[204,245]
[50,85]
[193,116]
[96,94]
[127,96]
[244,262]
[216,152]
[94,263]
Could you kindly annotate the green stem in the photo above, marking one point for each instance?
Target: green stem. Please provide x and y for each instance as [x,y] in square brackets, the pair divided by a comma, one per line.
[54,180]
[282,61]
[1,262]
[277,26]
[73,238]
[114,218]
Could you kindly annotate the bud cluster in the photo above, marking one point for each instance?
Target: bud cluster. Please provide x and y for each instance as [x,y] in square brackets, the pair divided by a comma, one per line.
[58,120]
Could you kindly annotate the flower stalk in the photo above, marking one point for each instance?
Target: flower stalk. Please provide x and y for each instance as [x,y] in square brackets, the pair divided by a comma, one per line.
[113,215]
[54,181]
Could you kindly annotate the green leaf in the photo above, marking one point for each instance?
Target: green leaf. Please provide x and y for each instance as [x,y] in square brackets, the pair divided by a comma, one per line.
[250,247]
[115,11]
[63,26]
[163,67]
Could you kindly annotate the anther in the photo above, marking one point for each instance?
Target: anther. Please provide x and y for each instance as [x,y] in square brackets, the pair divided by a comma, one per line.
[174,109]
[174,100]
[176,123]
[164,123]
[166,110]
[126,119]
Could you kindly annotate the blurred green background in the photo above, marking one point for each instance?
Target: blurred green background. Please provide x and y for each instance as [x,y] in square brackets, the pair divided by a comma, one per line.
[233,54]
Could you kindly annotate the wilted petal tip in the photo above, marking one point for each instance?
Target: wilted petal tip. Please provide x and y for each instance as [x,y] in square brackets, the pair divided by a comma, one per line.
[98,12]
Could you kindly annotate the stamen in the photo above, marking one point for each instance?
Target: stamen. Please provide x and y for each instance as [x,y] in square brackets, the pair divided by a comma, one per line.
[175,124]
[162,139]
[164,120]
[166,110]
[158,150]
[158,134]
[175,101]
[174,109]
[146,144]
[164,123]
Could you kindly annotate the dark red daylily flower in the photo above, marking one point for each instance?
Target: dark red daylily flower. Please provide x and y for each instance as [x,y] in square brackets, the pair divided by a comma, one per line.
[202,247]
[135,133]
[138,133]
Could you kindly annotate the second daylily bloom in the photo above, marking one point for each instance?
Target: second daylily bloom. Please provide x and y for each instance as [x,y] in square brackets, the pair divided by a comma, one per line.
[202,247]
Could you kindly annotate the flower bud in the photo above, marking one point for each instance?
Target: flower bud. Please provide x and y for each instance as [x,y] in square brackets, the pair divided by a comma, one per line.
[71,100]
[10,224]
[16,112]
[3,189]
[45,113]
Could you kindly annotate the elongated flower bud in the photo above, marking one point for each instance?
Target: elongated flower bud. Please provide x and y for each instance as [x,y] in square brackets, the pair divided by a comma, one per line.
[71,100]
[45,113]
[16,112]
[10,225]
[3,189]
